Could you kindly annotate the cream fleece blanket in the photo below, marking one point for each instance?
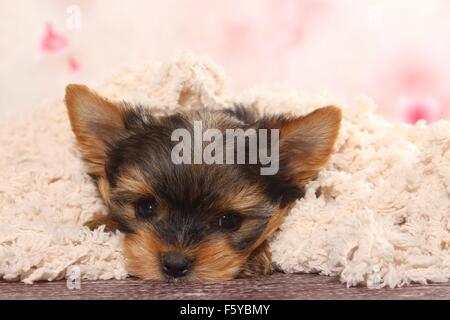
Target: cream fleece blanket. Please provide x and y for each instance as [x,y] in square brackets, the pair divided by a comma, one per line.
[382,219]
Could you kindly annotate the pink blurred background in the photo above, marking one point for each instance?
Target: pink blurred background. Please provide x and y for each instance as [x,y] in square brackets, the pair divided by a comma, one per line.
[397,51]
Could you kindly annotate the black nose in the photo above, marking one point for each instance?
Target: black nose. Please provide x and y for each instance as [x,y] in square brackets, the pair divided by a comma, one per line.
[175,264]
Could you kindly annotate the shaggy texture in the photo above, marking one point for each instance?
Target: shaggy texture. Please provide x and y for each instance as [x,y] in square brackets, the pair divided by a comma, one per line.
[378,214]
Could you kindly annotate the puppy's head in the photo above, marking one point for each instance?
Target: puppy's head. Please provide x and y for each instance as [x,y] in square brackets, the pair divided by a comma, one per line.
[199,222]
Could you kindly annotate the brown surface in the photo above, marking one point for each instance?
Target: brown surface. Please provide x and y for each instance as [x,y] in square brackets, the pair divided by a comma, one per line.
[277,286]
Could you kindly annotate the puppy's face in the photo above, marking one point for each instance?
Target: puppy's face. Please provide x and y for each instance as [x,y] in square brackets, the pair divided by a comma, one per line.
[198,222]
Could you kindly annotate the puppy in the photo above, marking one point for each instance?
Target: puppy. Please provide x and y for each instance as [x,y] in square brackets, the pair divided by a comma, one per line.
[194,222]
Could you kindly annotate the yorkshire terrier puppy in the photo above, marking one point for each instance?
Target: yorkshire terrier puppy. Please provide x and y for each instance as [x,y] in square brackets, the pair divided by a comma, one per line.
[194,222]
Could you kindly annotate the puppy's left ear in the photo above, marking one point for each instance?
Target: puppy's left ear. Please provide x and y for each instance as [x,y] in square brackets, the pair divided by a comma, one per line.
[306,143]
[96,122]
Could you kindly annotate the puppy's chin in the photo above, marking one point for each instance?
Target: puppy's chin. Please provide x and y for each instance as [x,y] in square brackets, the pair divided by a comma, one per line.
[215,261]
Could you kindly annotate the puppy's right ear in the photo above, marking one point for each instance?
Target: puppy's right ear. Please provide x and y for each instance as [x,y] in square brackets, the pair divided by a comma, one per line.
[97,124]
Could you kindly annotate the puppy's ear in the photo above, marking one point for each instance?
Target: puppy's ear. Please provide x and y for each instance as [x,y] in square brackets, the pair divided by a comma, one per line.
[96,122]
[306,143]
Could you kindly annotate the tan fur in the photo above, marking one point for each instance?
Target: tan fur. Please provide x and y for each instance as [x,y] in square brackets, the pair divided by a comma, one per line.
[271,227]
[260,260]
[215,260]
[101,219]
[95,121]
[240,200]
[258,263]
[306,143]
[142,251]
[104,189]
[133,180]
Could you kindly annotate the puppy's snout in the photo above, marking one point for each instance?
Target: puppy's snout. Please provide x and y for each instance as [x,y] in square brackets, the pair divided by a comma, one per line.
[175,264]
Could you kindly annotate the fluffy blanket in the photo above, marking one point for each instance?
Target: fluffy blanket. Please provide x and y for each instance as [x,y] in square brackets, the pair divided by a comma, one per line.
[382,217]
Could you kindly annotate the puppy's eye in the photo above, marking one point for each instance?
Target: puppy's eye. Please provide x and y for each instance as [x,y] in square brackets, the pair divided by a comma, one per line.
[145,208]
[230,221]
